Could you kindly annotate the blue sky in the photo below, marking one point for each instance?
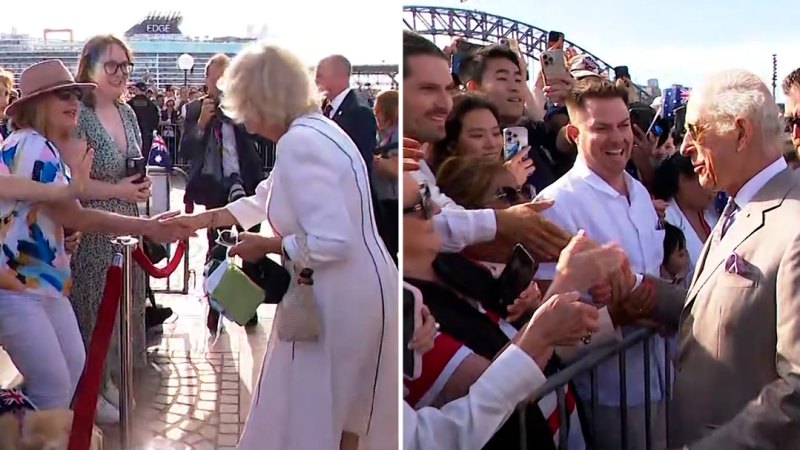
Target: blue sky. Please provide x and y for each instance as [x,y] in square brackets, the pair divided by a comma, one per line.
[676,41]
[312,28]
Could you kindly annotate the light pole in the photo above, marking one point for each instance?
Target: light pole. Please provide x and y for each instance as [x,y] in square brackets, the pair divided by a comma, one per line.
[774,74]
[185,63]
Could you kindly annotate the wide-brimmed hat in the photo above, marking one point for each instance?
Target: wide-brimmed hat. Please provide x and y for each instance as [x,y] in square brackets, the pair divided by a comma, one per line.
[42,78]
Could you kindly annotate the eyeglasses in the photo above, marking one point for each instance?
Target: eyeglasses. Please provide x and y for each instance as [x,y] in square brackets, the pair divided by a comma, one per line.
[66,94]
[696,131]
[424,204]
[112,68]
[513,195]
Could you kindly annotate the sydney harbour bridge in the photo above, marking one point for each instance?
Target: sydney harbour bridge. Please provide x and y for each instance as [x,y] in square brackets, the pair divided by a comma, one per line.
[484,28]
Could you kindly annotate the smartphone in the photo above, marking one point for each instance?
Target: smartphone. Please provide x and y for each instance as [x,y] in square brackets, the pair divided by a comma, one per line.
[412,318]
[136,166]
[514,140]
[555,40]
[515,278]
[553,65]
[463,51]
[621,72]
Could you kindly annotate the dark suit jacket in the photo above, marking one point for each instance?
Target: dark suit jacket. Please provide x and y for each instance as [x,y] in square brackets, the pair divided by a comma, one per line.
[356,118]
[195,141]
[147,116]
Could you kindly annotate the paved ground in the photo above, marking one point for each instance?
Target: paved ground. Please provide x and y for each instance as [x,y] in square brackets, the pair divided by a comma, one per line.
[196,392]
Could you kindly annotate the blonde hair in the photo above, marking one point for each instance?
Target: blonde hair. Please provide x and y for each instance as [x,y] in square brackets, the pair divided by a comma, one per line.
[31,115]
[468,179]
[6,79]
[220,59]
[270,84]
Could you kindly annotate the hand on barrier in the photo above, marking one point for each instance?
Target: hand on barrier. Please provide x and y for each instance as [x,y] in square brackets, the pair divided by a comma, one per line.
[129,191]
[253,246]
[563,320]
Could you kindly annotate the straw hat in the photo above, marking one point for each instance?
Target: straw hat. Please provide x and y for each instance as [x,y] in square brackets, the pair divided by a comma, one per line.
[42,78]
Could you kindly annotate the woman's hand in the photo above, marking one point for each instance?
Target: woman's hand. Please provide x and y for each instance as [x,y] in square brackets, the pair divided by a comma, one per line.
[72,241]
[583,263]
[129,191]
[644,144]
[79,157]
[527,302]
[564,320]
[425,334]
[520,166]
[253,246]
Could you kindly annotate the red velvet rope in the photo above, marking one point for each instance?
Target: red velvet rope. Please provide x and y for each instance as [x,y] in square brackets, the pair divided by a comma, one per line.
[159,272]
[85,401]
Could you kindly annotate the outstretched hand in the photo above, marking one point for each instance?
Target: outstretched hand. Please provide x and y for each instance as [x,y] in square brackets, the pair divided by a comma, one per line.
[161,229]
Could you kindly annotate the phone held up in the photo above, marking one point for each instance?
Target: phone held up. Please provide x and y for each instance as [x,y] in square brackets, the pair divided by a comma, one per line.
[555,40]
[515,278]
[514,140]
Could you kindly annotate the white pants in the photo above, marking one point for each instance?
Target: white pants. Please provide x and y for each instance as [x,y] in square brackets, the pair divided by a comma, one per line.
[41,336]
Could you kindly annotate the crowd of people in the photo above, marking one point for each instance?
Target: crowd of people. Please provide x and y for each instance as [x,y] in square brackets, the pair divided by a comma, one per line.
[69,142]
[701,196]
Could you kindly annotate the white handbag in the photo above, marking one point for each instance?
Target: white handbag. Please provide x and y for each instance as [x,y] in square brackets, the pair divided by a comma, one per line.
[297,315]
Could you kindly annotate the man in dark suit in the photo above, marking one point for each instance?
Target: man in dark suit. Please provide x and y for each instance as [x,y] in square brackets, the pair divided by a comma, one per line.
[146,114]
[345,107]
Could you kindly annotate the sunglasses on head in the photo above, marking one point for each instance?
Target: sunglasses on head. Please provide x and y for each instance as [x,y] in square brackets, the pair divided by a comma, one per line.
[113,67]
[513,195]
[66,94]
[424,204]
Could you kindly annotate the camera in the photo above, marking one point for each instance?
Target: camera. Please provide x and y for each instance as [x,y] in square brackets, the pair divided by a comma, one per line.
[136,166]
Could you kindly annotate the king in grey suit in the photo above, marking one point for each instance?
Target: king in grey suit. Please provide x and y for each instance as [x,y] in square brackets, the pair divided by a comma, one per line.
[737,384]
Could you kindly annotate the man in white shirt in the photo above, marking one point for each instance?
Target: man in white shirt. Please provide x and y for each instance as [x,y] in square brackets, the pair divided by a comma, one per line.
[426,105]
[599,196]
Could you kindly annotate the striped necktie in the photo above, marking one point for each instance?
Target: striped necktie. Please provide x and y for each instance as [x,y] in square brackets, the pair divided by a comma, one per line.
[725,222]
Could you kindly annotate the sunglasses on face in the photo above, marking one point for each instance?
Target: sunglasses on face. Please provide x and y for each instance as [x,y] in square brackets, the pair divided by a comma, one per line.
[695,131]
[66,94]
[113,67]
[424,204]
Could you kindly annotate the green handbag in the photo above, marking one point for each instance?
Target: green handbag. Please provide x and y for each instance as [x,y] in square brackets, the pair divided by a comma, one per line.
[231,291]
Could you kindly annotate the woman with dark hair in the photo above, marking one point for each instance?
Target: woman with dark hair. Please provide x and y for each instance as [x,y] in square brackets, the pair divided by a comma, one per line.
[690,207]
[110,127]
[473,129]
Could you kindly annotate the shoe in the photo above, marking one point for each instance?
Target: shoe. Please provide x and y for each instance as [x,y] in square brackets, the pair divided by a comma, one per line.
[106,414]
[155,316]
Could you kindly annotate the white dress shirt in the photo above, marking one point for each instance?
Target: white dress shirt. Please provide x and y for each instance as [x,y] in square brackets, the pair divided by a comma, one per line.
[337,101]
[585,201]
[469,422]
[753,185]
[457,227]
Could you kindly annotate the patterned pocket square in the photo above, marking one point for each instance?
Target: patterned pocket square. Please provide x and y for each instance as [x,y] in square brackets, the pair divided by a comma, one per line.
[737,265]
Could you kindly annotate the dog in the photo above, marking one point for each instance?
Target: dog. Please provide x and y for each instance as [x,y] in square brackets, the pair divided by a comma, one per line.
[41,430]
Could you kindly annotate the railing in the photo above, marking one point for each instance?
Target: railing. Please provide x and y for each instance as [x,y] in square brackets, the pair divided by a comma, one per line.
[589,362]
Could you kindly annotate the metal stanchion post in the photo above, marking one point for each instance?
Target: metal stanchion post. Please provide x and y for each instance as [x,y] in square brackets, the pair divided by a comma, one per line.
[125,343]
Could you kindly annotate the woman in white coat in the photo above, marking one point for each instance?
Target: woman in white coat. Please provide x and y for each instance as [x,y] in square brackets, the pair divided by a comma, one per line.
[342,390]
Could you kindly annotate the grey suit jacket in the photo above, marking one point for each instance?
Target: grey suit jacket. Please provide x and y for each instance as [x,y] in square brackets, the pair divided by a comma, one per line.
[737,384]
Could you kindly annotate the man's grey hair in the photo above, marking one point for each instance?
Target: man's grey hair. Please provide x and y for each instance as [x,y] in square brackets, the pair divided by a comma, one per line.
[738,93]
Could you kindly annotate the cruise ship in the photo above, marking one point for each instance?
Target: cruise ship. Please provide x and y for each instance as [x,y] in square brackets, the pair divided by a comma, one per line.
[157,42]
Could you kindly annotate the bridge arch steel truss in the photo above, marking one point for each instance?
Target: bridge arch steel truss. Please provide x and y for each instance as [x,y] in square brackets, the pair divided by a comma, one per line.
[477,26]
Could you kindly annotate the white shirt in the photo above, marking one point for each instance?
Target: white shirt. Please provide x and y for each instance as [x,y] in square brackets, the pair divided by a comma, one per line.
[337,101]
[585,201]
[230,157]
[456,226]
[694,245]
[469,422]
[753,185]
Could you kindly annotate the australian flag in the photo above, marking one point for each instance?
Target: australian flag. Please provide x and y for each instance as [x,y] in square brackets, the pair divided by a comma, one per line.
[674,99]
[159,156]
[12,400]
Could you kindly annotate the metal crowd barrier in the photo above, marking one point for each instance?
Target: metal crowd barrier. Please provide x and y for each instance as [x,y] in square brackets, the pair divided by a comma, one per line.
[160,202]
[126,351]
[589,362]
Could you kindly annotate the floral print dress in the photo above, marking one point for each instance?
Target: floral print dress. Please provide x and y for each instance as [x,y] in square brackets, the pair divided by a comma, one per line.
[95,252]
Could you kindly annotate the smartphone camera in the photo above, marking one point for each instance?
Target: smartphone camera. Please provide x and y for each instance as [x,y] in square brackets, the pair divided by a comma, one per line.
[547,59]
[136,166]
